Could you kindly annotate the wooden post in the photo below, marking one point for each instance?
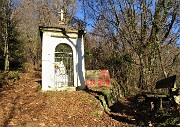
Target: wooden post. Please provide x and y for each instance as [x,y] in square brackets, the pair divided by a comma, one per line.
[151,106]
[160,104]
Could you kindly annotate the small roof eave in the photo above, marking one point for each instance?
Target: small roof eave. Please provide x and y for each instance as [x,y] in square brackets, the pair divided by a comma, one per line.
[57,29]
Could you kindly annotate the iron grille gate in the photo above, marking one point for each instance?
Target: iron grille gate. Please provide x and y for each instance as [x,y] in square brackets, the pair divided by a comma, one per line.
[63,68]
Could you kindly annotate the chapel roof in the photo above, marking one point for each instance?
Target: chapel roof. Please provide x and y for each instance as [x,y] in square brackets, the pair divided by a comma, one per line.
[60,28]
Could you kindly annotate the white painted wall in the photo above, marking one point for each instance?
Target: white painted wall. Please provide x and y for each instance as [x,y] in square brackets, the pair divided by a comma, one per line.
[48,48]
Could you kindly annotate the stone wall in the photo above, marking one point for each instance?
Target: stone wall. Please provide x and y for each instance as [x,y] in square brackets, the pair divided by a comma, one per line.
[97,78]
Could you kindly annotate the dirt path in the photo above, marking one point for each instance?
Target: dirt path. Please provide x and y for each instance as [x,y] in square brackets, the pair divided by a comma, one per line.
[22,105]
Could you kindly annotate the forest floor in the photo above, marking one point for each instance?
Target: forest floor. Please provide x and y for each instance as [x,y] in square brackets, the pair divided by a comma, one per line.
[23,105]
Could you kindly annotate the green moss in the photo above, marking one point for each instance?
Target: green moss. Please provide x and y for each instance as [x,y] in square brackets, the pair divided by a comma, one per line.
[13,75]
[173,121]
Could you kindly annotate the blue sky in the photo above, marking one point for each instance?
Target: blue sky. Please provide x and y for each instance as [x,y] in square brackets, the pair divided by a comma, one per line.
[80,14]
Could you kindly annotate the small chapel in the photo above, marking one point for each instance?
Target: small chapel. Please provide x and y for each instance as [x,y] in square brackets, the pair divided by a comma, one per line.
[63,65]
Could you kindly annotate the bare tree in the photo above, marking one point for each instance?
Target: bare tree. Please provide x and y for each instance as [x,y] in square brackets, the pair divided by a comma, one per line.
[35,13]
[139,29]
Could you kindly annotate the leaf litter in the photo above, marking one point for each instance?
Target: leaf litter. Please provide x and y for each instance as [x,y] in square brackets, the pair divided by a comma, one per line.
[23,105]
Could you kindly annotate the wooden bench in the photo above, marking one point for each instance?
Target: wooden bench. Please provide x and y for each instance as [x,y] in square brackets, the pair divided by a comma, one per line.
[165,90]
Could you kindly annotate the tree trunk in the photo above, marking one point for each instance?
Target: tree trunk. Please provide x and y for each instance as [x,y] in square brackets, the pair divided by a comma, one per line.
[142,76]
[6,50]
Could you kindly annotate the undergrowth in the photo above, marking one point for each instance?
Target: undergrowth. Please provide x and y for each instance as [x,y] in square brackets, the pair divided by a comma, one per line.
[6,76]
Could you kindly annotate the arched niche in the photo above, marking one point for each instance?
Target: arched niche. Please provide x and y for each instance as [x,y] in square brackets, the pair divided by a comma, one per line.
[63,67]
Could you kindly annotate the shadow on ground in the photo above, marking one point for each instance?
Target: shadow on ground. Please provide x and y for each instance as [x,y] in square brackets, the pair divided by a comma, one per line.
[126,111]
[138,113]
[129,111]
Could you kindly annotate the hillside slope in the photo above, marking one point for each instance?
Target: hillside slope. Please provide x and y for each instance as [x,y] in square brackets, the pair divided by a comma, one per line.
[22,105]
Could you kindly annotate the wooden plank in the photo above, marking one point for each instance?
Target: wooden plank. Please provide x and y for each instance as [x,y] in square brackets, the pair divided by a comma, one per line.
[166,83]
[156,95]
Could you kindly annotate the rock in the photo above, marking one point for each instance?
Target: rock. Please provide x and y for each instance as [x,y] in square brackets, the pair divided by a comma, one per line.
[177,99]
